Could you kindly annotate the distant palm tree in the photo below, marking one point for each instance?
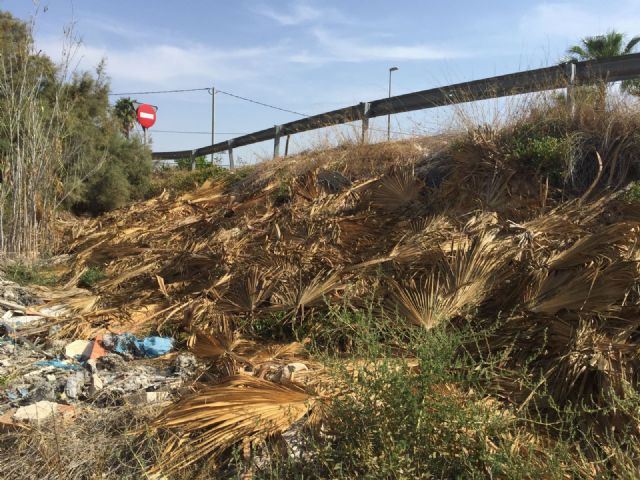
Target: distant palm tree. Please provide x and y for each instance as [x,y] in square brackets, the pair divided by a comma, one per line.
[612,44]
[126,114]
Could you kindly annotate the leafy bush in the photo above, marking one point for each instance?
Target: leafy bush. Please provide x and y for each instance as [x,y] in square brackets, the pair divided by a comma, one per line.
[201,162]
[548,155]
[394,419]
[124,176]
[90,277]
[179,181]
[632,195]
[24,274]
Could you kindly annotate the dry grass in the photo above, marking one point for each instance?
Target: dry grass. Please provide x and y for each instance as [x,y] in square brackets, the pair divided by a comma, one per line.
[480,233]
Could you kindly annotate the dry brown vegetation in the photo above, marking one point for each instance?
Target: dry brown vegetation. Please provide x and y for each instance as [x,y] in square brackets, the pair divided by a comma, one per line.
[526,253]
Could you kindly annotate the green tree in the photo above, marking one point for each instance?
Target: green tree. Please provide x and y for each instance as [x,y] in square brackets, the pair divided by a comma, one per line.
[611,44]
[185,163]
[61,144]
[126,114]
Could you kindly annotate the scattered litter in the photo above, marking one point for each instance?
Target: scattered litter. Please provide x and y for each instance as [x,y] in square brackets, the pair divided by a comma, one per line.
[8,424]
[74,385]
[17,393]
[57,364]
[150,347]
[13,323]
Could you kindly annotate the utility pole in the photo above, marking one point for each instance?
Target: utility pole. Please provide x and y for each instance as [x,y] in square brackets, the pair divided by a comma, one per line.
[392,69]
[213,118]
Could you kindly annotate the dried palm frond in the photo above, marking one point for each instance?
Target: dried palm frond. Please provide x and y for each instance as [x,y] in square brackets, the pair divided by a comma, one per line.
[240,409]
[601,244]
[473,272]
[591,289]
[395,190]
[213,346]
[307,187]
[424,302]
[298,296]
[250,293]
[455,284]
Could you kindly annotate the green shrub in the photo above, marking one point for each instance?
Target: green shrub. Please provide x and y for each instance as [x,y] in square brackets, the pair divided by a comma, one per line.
[201,162]
[632,195]
[90,277]
[393,420]
[123,177]
[548,155]
[179,181]
[24,274]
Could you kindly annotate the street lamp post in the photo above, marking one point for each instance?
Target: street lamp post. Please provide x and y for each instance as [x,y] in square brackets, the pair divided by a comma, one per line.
[392,69]
[213,117]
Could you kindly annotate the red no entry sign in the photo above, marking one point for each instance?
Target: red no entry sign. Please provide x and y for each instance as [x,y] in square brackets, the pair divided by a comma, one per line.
[146,115]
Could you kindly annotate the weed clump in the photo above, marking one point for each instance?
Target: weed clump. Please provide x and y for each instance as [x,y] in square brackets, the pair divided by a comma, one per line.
[91,276]
[30,274]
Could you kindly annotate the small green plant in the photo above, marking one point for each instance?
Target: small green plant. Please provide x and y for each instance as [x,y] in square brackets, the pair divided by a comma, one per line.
[200,163]
[24,274]
[283,194]
[632,194]
[417,415]
[179,181]
[90,277]
[548,155]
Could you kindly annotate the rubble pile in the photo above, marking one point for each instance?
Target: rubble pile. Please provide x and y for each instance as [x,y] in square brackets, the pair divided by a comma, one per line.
[43,376]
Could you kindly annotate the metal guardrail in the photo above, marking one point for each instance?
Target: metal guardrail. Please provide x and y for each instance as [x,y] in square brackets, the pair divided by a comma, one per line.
[565,75]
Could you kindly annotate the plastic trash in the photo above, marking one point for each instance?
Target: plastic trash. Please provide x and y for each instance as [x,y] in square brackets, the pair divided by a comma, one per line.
[57,364]
[127,343]
[156,346]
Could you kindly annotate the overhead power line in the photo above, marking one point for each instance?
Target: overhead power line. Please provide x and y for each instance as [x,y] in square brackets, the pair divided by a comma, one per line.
[239,97]
[160,91]
[261,103]
[198,133]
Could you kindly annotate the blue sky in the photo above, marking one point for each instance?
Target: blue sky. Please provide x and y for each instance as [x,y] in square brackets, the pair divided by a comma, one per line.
[309,55]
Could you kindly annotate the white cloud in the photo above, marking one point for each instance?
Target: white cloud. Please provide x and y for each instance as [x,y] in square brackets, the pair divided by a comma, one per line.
[301,12]
[334,47]
[574,20]
[164,64]
[298,13]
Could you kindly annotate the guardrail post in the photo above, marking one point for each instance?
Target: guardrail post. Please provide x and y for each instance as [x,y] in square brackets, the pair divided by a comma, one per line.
[230,147]
[365,106]
[193,160]
[571,88]
[276,141]
[286,146]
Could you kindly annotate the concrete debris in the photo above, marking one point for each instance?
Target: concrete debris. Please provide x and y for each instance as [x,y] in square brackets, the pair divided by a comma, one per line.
[40,411]
[54,311]
[13,322]
[12,292]
[289,370]
[78,349]
[145,398]
[74,385]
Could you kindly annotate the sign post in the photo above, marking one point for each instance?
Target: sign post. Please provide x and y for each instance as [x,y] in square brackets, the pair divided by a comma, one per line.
[146,115]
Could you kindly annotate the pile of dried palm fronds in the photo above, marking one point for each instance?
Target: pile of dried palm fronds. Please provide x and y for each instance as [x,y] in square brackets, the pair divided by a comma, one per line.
[335,227]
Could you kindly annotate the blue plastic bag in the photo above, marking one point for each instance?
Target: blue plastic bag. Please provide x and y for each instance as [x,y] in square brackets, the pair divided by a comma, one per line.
[149,347]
